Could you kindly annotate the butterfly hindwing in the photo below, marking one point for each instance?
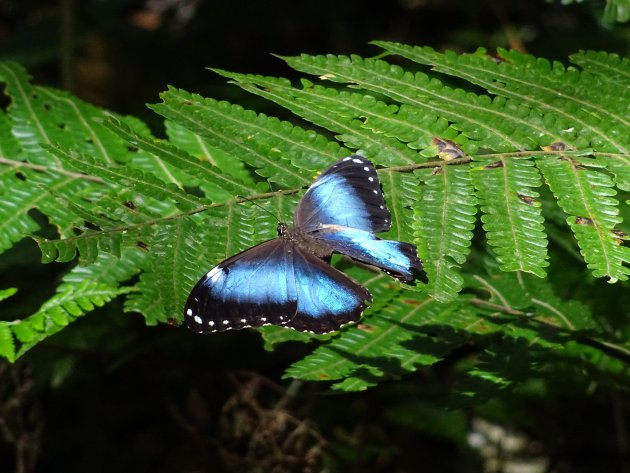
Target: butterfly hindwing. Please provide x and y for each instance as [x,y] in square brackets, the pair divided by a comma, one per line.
[349,194]
[253,288]
[327,298]
[275,283]
[397,258]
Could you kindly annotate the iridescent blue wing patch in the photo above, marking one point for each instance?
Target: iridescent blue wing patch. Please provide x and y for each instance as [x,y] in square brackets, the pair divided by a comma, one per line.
[397,258]
[274,283]
[253,288]
[348,194]
[327,299]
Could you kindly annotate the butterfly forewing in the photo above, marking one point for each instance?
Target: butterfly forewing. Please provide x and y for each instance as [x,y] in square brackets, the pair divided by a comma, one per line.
[349,194]
[253,288]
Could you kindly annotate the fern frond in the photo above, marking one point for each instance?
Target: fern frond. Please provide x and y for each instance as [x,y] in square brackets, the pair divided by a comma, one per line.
[570,101]
[608,66]
[616,10]
[176,258]
[377,348]
[145,183]
[82,290]
[402,191]
[550,309]
[41,116]
[148,300]
[443,225]
[494,124]
[203,151]
[264,142]
[619,166]
[7,344]
[586,196]
[218,186]
[72,301]
[360,121]
[15,222]
[512,214]
[109,269]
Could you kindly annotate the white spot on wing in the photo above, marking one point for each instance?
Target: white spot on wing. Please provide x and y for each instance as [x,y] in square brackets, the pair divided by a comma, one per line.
[375,191]
[211,323]
[225,322]
[263,319]
[189,312]
[215,273]
[366,169]
[371,179]
[357,160]
[243,320]
[346,159]
[197,319]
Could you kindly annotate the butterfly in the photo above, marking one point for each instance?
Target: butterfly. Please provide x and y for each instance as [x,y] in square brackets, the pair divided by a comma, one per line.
[288,281]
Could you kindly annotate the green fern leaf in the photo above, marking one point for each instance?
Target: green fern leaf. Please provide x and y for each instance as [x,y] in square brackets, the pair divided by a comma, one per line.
[82,289]
[6,293]
[616,10]
[375,349]
[217,185]
[144,183]
[22,190]
[15,223]
[7,345]
[512,214]
[9,146]
[70,302]
[570,315]
[147,300]
[360,121]
[203,151]
[587,197]
[619,166]
[109,269]
[43,116]
[608,66]
[402,191]
[239,132]
[577,103]
[176,259]
[497,124]
[445,218]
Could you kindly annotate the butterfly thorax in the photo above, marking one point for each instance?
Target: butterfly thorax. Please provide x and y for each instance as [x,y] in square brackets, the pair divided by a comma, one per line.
[304,241]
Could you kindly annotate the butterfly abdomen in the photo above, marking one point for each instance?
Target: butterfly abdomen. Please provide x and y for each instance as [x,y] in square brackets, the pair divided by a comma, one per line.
[307,243]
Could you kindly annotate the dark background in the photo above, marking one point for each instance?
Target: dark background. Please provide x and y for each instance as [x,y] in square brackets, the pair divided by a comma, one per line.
[109,394]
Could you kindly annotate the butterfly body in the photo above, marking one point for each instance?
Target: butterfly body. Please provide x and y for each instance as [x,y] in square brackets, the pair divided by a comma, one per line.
[288,281]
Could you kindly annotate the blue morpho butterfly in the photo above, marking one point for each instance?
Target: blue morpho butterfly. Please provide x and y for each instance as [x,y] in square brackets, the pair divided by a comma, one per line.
[288,281]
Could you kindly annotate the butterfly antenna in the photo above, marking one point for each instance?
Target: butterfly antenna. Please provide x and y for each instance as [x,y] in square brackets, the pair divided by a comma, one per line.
[260,207]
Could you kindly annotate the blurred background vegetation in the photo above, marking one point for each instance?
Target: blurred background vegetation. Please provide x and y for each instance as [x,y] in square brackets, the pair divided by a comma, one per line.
[109,394]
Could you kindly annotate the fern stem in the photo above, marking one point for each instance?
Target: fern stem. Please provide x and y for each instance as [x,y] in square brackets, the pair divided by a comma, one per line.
[506,309]
[518,154]
[429,164]
[168,218]
[40,168]
[515,154]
